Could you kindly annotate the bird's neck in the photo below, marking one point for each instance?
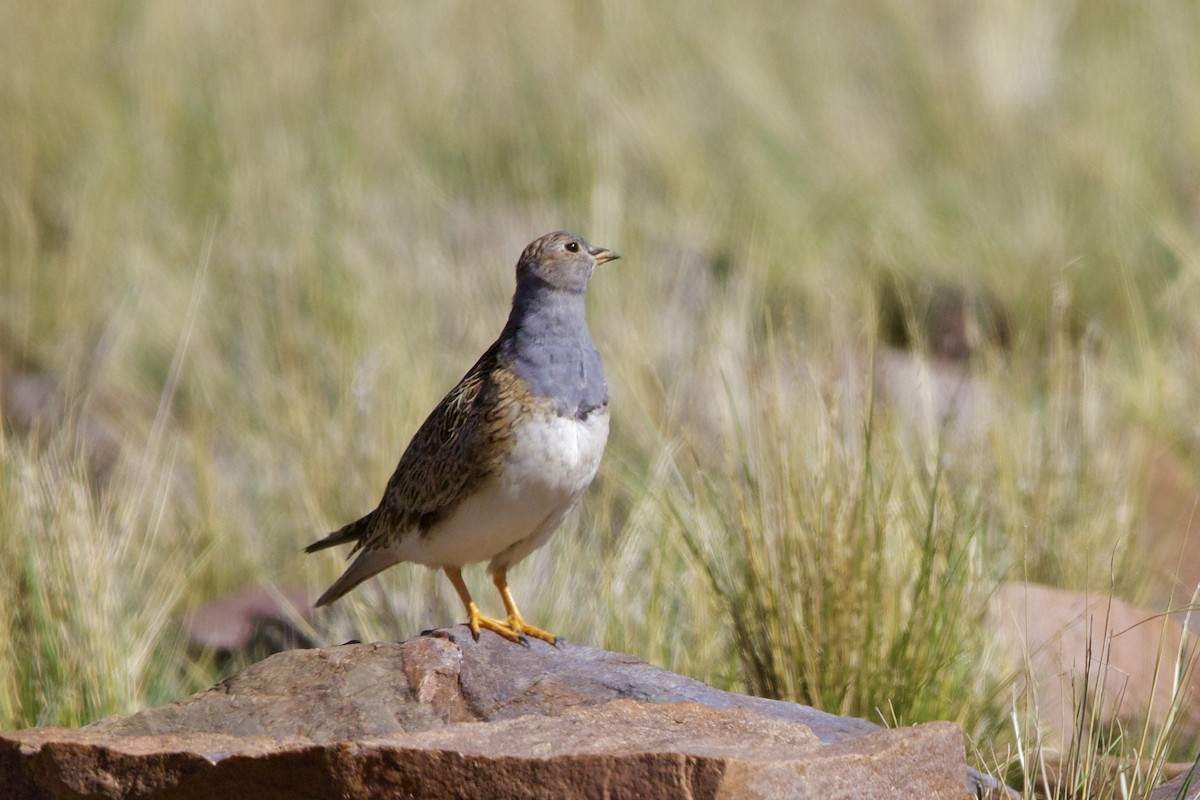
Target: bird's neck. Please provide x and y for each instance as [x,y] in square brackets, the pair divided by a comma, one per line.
[548,345]
[541,311]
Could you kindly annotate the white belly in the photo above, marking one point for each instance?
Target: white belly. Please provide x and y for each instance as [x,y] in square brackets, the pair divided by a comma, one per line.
[552,461]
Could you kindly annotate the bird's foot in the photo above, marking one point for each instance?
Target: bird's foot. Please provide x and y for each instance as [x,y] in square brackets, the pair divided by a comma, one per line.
[515,629]
[515,622]
[518,625]
[478,621]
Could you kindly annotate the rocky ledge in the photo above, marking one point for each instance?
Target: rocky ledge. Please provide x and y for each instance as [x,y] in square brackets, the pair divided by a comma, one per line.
[442,715]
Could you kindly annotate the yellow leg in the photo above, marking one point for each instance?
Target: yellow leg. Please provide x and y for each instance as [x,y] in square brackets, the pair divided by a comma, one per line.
[515,621]
[475,617]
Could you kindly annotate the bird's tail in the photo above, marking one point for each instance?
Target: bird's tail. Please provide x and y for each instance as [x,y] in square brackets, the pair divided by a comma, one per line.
[354,532]
[369,562]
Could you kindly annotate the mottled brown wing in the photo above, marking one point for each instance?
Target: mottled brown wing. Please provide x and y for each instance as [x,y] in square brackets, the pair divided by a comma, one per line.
[461,444]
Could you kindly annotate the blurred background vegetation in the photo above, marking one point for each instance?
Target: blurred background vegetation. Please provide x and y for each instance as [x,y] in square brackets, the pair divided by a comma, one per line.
[253,244]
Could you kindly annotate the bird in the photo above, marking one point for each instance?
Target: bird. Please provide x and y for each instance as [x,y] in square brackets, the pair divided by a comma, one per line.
[507,454]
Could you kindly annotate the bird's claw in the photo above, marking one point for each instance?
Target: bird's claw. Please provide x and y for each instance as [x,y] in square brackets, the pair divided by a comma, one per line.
[524,629]
[479,622]
[514,628]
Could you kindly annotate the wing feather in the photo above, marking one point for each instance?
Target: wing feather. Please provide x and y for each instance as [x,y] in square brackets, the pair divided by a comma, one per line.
[460,444]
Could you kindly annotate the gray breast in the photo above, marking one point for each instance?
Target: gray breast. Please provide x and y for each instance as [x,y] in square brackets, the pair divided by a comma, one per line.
[548,346]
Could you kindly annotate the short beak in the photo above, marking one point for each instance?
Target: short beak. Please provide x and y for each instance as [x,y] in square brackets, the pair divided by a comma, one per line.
[601,255]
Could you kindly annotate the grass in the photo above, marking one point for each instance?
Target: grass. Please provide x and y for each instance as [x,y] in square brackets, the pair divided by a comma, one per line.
[261,242]
[829,552]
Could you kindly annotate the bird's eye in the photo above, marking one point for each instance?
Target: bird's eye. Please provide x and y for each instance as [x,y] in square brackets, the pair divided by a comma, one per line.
[572,247]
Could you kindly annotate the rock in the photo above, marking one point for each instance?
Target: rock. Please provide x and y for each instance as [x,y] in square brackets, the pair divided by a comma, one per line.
[1124,656]
[932,333]
[1167,540]
[253,621]
[1184,786]
[445,716]
[1061,777]
[931,395]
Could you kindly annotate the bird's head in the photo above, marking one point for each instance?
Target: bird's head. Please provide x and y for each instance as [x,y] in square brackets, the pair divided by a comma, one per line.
[562,260]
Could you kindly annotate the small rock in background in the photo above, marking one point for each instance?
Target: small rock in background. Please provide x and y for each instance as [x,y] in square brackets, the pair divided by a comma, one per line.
[1174,789]
[1168,536]
[930,331]
[1069,641]
[253,623]
[930,395]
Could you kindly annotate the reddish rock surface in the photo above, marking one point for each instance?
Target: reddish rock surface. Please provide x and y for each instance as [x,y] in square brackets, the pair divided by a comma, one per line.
[445,716]
[1185,786]
[1068,642]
